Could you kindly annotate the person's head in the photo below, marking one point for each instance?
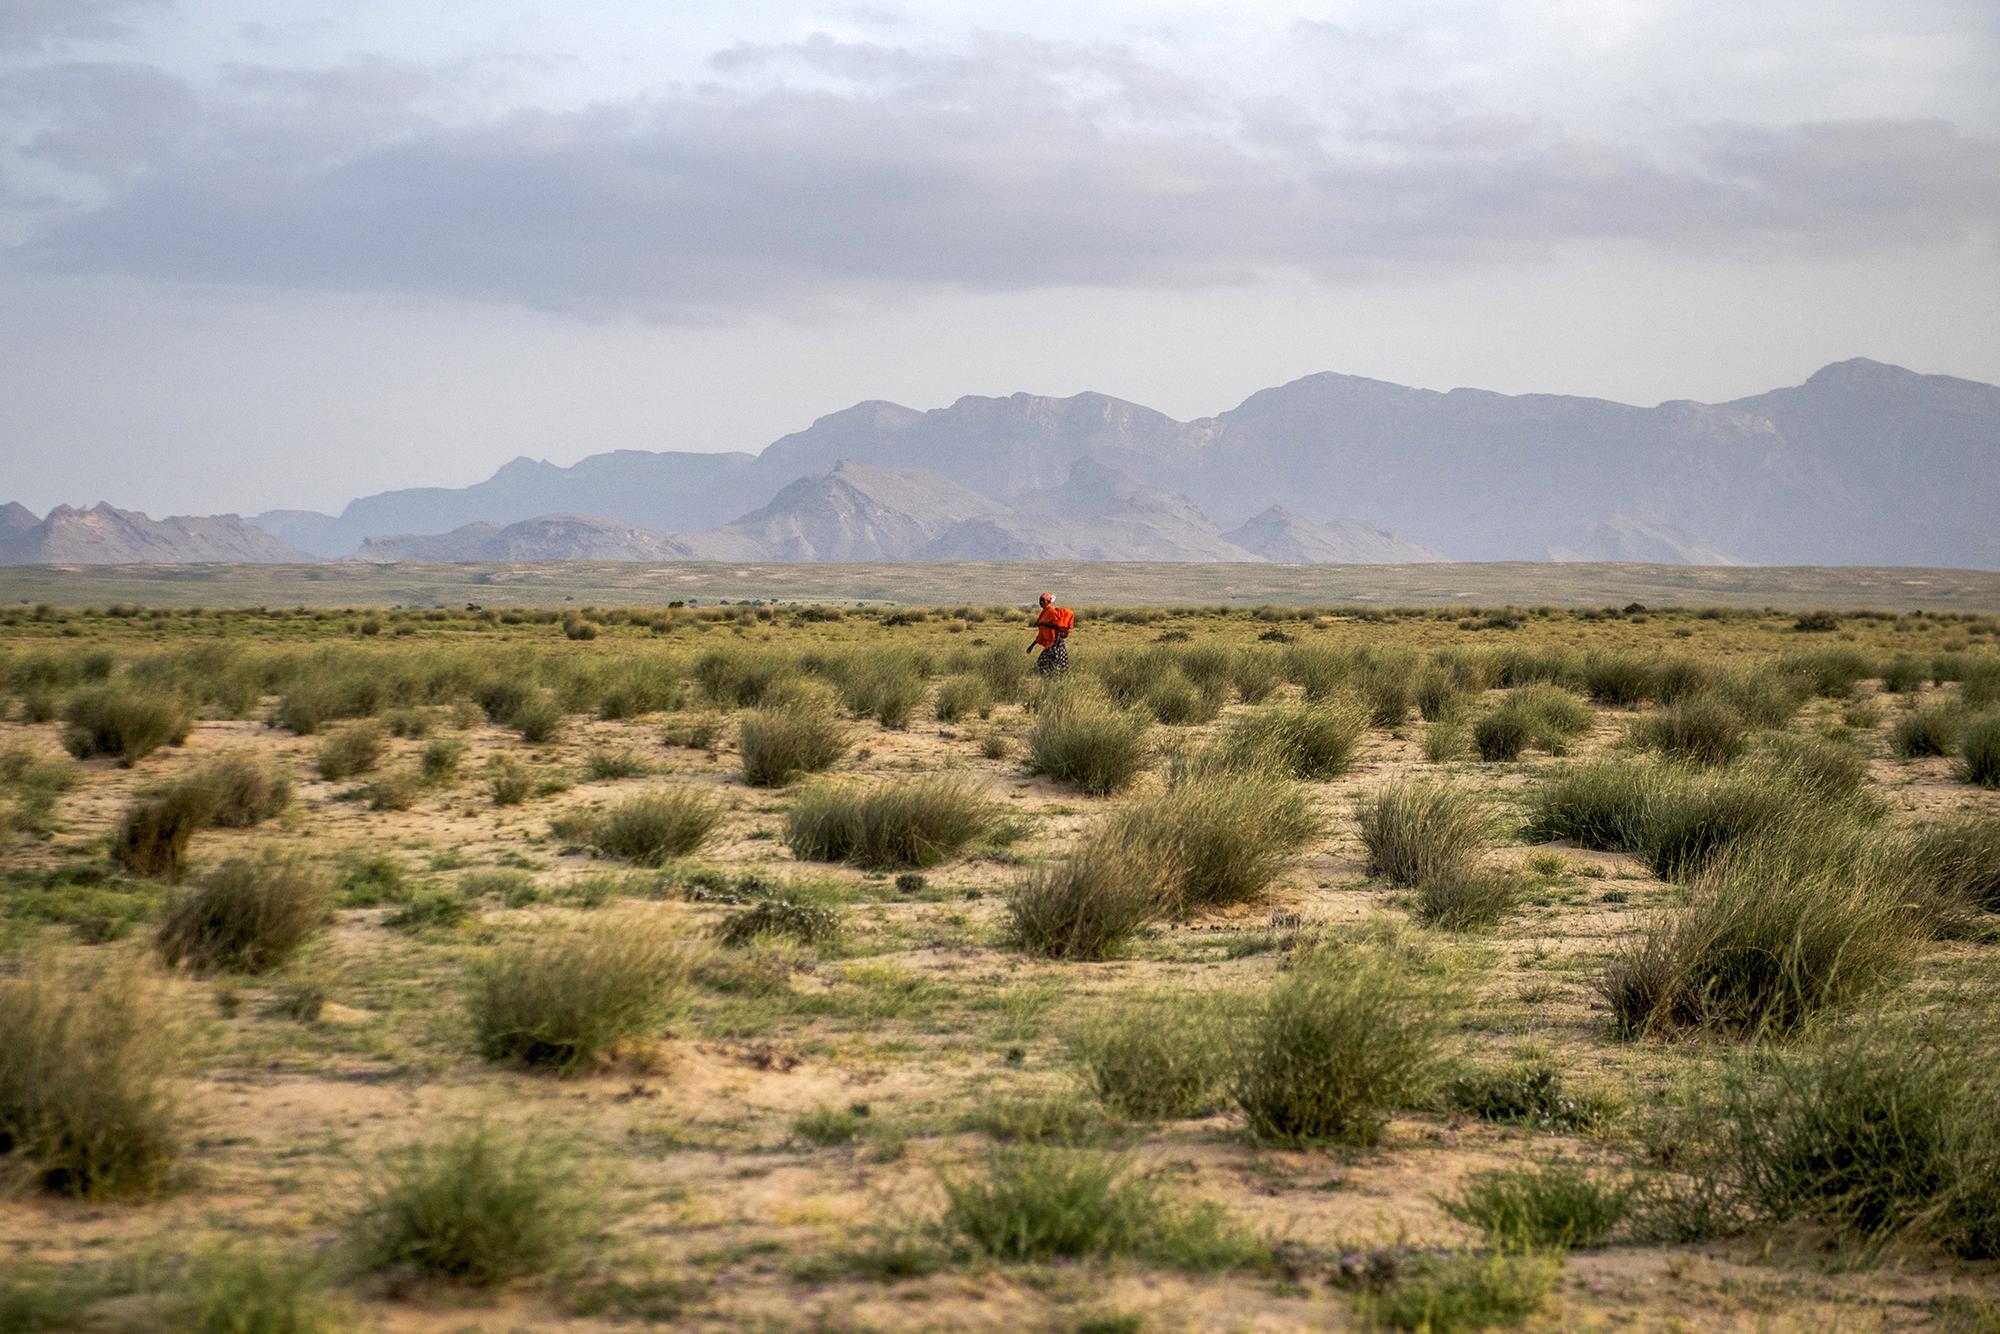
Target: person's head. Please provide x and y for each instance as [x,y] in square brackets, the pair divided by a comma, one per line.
[1046,599]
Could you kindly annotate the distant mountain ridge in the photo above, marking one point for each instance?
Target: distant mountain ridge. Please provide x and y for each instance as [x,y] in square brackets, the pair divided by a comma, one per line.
[1864,463]
[106,535]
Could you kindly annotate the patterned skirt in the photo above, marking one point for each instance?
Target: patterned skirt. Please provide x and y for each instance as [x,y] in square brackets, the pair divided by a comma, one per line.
[1054,659]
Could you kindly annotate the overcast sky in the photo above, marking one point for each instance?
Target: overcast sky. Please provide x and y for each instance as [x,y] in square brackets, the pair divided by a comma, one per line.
[269,253]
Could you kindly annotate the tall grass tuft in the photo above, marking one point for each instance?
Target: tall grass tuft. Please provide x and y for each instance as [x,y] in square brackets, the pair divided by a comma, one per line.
[1958,859]
[90,1059]
[960,697]
[919,822]
[1089,903]
[247,915]
[254,1290]
[1979,752]
[1700,729]
[1335,1046]
[1766,696]
[1555,1205]
[1617,679]
[124,721]
[779,744]
[565,1000]
[1928,729]
[1777,929]
[1418,831]
[655,827]
[1079,739]
[350,750]
[1466,899]
[1892,1131]
[479,1207]
[1034,1203]
[247,790]
[1222,837]
[153,834]
[1310,741]
[1156,1058]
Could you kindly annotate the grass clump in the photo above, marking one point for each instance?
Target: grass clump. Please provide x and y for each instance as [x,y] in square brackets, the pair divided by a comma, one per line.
[1080,740]
[126,722]
[1929,729]
[1979,752]
[1311,742]
[1887,1132]
[477,1208]
[565,1000]
[1549,1206]
[90,1059]
[1617,679]
[655,827]
[960,697]
[1958,860]
[1417,831]
[779,744]
[153,835]
[1775,930]
[1766,696]
[1465,899]
[1031,1203]
[1470,1290]
[1088,904]
[350,750]
[1067,1118]
[1541,714]
[1156,1058]
[1700,729]
[893,826]
[1336,1045]
[248,915]
[807,923]
[244,790]
[602,765]
[254,1290]
[1527,1092]
[1220,838]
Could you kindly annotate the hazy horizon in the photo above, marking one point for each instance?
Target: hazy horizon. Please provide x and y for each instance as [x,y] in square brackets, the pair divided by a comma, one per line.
[253,257]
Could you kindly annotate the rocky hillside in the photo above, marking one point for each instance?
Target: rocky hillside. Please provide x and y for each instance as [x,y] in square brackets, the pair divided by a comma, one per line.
[552,537]
[105,535]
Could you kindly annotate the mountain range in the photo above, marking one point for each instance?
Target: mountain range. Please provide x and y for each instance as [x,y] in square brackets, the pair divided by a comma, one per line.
[1864,463]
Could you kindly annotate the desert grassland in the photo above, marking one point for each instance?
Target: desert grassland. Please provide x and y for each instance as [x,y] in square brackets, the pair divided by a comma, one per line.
[800,967]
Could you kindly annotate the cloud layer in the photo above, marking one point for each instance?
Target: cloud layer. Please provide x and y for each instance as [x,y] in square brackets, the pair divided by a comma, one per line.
[803,171]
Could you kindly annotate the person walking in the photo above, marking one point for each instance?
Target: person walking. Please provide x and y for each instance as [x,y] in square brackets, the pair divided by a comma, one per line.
[1052,627]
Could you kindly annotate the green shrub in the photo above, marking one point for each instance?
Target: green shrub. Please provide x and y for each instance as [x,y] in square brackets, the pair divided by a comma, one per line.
[807,923]
[429,910]
[153,835]
[1420,831]
[1088,904]
[1067,1118]
[1156,1058]
[960,696]
[1334,1046]
[1177,701]
[655,827]
[509,781]
[1439,691]
[124,721]
[889,694]
[246,790]
[1548,1206]
[603,766]
[539,718]
[1222,837]
[1256,675]
[1035,1203]
[396,791]
[479,1207]
[247,915]
[438,765]
[1892,1131]
[1828,770]
[1309,741]
[1617,679]
[1979,752]
[1929,729]
[1078,739]
[1391,693]
[739,678]
[1904,674]
[565,1000]
[350,750]
[90,1059]
[1501,735]
[1527,1092]
[697,731]
[252,1290]
[829,1126]
[1465,899]
[1676,679]
[916,822]
[1700,729]
[1446,1294]
[1444,738]
[779,744]
[1775,930]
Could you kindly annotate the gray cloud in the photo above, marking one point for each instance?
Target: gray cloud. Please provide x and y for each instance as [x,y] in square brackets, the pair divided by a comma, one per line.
[1013,164]
[41,24]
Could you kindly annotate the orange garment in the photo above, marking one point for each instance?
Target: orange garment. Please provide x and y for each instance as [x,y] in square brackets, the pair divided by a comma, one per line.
[1054,623]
